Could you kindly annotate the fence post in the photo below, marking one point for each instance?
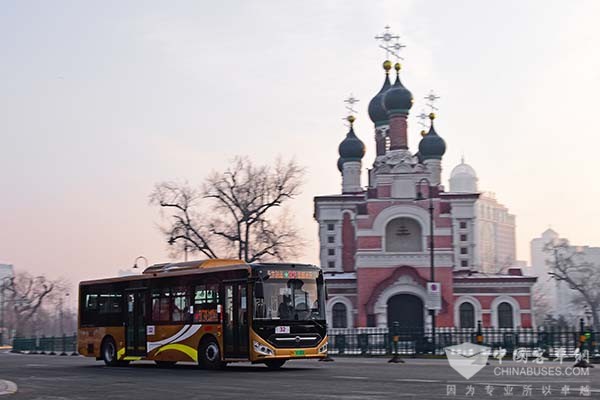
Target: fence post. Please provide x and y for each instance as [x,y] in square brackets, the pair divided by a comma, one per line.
[42,345]
[64,345]
[396,358]
[51,340]
[74,341]
[582,362]
[479,334]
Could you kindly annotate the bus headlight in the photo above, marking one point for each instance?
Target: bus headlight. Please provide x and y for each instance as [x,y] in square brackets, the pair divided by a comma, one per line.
[260,349]
[323,349]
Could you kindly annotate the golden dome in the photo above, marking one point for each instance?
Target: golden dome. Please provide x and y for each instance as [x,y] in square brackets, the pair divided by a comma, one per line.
[431,116]
[423,133]
[387,65]
[397,66]
[351,119]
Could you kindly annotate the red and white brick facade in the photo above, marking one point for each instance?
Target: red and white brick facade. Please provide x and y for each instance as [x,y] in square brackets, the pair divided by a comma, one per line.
[374,245]
[363,275]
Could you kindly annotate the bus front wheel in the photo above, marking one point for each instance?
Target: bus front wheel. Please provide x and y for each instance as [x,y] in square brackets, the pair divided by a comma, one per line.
[109,353]
[274,364]
[209,356]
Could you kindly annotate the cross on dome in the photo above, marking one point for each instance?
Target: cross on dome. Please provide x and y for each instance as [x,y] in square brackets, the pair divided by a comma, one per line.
[350,101]
[431,98]
[390,48]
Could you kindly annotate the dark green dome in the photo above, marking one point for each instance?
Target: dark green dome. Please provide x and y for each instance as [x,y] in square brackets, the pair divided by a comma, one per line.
[351,148]
[377,111]
[340,164]
[397,99]
[432,146]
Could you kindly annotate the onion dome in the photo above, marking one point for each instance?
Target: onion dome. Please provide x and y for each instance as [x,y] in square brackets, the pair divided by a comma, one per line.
[377,112]
[340,164]
[432,146]
[398,99]
[351,148]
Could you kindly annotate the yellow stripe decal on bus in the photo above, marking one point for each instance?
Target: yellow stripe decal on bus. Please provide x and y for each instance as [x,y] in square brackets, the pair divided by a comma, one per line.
[132,358]
[189,351]
[120,353]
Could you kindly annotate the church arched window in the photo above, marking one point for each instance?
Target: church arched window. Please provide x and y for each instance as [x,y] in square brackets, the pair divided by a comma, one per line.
[467,315]
[505,315]
[403,235]
[339,317]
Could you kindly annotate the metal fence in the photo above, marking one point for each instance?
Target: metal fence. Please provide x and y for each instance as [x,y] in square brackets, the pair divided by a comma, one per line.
[56,345]
[409,342]
[414,342]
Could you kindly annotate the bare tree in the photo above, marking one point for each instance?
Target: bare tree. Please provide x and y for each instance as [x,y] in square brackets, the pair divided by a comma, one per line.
[541,305]
[235,213]
[25,295]
[568,265]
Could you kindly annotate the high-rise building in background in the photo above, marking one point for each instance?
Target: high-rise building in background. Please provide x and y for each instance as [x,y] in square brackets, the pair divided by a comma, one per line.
[6,272]
[494,228]
[558,295]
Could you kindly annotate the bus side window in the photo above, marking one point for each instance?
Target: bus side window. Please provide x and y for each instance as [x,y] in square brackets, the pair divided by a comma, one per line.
[161,306]
[206,298]
[180,305]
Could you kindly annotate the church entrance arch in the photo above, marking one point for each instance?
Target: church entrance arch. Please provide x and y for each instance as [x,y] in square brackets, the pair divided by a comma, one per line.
[407,310]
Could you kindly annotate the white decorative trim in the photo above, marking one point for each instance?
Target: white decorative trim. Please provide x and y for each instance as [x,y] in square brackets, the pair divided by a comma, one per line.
[515,307]
[467,299]
[366,259]
[491,294]
[397,211]
[349,310]
[493,282]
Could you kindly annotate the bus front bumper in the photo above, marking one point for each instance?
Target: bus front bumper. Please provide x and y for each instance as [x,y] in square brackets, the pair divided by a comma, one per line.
[263,351]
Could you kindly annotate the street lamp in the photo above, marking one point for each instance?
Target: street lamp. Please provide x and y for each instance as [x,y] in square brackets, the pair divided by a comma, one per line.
[135,262]
[431,249]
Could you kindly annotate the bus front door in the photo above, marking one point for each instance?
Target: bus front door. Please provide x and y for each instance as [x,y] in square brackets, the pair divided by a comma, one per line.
[235,320]
[135,328]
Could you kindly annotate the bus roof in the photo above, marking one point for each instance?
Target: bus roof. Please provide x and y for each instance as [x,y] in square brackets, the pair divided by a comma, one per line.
[194,267]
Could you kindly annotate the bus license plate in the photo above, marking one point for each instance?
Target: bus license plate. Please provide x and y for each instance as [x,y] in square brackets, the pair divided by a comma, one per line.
[299,352]
[282,329]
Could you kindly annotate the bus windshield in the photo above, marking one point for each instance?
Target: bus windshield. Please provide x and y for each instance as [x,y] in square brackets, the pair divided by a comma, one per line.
[296,299]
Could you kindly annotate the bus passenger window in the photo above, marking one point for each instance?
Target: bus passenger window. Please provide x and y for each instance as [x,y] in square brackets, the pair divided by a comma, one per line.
[161,306]
[206,299]
[180,306]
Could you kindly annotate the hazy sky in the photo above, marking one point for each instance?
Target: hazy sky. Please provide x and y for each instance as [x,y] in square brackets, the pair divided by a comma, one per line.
[100,100]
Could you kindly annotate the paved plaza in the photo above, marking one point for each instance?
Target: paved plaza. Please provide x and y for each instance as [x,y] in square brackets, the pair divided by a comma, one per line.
[70,377]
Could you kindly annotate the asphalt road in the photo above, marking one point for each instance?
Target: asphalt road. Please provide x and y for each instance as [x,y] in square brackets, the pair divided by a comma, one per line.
[69,377]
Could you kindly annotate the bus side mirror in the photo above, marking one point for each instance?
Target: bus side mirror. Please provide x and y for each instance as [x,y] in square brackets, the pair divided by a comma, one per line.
[259,292]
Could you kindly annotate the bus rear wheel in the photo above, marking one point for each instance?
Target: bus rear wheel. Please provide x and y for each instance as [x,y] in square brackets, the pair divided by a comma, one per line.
[209,355]
[109,353]
[274,364]
[165,364]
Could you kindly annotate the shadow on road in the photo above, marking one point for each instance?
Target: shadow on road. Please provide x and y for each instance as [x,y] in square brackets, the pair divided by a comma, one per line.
[190,367]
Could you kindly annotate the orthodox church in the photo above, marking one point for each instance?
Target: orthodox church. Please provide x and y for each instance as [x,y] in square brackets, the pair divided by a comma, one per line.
[380,242]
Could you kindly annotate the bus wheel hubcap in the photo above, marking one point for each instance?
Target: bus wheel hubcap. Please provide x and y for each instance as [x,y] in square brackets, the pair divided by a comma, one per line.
[212,351]
[109,352]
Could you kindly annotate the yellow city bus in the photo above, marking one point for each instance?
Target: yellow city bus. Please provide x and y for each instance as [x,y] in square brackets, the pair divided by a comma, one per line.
[210,312]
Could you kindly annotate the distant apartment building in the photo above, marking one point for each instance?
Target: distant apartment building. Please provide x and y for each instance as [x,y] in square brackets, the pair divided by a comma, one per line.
[6,271]
[495,226]
[558,294]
